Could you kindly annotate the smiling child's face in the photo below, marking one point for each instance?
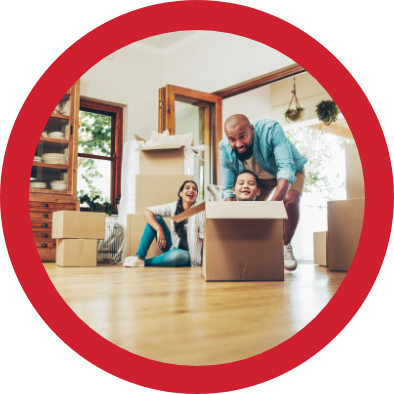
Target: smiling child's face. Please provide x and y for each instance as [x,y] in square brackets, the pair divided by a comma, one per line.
[246,188]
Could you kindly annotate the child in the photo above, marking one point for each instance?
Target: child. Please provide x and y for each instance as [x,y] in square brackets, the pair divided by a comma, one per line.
[246,186]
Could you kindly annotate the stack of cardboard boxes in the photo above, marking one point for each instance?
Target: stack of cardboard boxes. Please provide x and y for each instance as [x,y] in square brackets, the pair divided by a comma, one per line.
[161,173]
[336,247]
[76,235]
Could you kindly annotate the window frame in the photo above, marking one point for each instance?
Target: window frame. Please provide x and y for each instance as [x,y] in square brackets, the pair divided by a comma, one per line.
[116,114]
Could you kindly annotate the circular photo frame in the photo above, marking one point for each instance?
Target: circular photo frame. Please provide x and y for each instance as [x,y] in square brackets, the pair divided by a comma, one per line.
[255,25]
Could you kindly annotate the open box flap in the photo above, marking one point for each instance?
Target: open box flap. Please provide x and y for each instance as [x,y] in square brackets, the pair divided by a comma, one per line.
[187,214]
[158,147]
[237,210]
[245,210]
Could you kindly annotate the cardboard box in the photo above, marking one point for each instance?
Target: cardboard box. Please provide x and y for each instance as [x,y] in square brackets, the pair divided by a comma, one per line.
[354,173]
[345,221]
[320,240]
[135,227]
[152,190]
[76,252]
[243,241]
[78,225]
[167,160]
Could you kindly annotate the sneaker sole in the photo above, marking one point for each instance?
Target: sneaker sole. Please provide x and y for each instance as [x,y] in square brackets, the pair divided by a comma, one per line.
[291,269]
[132,266]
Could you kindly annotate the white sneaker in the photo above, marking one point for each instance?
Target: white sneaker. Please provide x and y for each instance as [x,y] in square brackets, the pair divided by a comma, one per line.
[290,261]
[133,261]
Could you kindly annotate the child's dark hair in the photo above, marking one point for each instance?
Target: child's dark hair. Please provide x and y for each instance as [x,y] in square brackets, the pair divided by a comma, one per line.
[179,227]
[246,172]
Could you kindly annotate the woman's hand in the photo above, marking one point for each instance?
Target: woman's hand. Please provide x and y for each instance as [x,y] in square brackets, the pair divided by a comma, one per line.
[161,239]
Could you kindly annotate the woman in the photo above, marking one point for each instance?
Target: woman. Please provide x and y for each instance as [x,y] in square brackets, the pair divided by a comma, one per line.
[246,186]
[182,245]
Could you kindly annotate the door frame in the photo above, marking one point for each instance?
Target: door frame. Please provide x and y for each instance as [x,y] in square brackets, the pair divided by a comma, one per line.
[211,105]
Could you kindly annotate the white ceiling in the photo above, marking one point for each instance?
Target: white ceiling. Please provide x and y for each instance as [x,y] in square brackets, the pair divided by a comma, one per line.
[164,44]
[163,41]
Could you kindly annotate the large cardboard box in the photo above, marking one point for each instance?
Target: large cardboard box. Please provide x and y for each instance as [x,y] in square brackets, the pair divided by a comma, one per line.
[345,221]
[320,248]
[354,173]
[135,227]
[76,252]
[162,160]
[243,241]
[80,225]
[154,190]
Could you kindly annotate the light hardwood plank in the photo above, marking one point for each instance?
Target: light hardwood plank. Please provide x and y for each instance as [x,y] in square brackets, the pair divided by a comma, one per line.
[172,315]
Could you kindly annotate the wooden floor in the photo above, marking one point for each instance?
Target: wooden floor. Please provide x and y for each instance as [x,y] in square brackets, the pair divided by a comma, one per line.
[172,315]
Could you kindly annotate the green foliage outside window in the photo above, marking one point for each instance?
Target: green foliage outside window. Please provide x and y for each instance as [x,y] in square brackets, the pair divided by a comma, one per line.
[94,137]
[315,145]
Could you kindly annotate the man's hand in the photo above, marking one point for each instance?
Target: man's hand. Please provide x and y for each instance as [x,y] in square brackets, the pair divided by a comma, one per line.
[231,199]
[282,188]
[161,238]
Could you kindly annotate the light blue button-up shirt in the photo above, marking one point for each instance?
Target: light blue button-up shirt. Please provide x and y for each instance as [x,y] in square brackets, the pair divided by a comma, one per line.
[272,150]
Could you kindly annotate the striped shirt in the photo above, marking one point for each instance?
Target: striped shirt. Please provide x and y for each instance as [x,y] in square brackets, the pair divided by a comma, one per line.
[194,229]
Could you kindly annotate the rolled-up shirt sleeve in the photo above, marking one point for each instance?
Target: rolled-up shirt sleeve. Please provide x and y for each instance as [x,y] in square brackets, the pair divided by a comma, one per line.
[283,156]
[228,176]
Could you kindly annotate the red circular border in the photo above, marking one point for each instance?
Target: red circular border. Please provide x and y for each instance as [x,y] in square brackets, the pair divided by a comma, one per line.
[255,25]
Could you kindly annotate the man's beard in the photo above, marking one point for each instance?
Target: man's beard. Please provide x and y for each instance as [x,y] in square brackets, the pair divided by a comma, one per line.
[244,155]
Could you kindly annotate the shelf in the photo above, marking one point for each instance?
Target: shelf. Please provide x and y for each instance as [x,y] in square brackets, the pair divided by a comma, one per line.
[50,166]
[59,116]
[54,142]
[50,191]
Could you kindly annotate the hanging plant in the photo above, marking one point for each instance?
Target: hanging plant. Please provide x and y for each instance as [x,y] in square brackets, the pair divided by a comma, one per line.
[327,112]
[293,115]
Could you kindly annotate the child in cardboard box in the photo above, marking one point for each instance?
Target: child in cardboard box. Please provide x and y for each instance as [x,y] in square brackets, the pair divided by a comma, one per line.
[182,245]
[246,186]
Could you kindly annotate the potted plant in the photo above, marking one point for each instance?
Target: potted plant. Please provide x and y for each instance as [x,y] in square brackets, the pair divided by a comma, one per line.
[327,112]
[96,206]
[293,115]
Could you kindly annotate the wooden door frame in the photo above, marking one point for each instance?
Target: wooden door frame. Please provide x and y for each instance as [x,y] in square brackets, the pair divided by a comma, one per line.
[167,97]
[262,80]
[116,142]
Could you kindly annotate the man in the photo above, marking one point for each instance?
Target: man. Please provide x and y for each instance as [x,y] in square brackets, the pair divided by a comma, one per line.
[264,149]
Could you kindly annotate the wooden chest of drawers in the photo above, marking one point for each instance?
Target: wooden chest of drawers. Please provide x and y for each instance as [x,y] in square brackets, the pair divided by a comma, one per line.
[41,223]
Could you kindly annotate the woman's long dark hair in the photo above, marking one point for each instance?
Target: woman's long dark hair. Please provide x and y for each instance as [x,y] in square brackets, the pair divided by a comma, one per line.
[179,227]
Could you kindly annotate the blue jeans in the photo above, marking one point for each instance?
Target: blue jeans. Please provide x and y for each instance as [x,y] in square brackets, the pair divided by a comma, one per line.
[169,258]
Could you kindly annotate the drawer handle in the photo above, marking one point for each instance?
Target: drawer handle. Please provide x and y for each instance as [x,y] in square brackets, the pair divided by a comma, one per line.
[45,205]
[44,225]
[44,235]
[44,215]
[44,245]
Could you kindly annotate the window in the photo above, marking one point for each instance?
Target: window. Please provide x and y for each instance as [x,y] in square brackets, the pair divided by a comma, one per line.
[100,140]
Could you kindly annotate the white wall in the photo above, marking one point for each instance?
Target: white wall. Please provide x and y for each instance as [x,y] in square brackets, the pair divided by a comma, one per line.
[220,60]
[131,78]
[254,104]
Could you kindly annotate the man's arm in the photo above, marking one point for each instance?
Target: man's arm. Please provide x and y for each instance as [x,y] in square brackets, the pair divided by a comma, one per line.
[282,188]
[228,176]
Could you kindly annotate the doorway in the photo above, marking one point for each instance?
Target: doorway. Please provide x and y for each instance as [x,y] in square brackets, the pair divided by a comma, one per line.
[184,111]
